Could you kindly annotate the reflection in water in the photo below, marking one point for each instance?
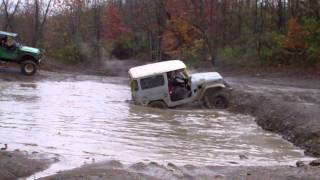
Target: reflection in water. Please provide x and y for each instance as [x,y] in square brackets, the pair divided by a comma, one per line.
[85,121]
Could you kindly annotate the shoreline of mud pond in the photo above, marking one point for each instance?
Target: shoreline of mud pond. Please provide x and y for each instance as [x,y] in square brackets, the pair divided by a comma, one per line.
[19,165]
[286,107]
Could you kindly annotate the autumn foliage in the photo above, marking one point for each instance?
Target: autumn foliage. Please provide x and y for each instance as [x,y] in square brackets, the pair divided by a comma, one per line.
[179,34]
[114,26]
[224,31]
[295,39]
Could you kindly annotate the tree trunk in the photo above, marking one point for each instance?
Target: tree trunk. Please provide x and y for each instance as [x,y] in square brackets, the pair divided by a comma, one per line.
[240,22]
[280,22]
[36,23]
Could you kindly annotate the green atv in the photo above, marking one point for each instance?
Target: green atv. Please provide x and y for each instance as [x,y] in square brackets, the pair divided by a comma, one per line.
[11,50]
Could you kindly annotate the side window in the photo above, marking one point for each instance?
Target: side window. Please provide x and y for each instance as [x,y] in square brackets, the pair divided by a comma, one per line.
[134,85]
[151,82]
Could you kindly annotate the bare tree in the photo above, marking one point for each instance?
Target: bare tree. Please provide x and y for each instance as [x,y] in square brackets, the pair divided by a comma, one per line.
[97,25]
[40,19]
[9,16]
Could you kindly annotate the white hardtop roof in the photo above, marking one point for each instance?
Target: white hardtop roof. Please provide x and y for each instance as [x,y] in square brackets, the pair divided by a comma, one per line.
[3,33]
[155,68]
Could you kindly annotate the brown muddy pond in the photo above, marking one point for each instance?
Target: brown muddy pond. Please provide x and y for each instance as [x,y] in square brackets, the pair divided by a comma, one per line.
[90,120]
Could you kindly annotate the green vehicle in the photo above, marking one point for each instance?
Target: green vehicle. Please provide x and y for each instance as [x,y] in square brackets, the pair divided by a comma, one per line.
[11,50]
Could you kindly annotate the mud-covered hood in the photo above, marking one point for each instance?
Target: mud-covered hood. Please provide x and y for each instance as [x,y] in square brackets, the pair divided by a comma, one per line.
[208,77]
[30,49]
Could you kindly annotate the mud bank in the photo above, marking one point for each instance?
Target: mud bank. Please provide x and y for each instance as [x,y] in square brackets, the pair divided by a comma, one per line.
[115,170]
[14,165]
[291,111]
[57,71]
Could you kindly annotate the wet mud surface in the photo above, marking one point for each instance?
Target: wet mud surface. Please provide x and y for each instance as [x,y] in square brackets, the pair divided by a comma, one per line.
[288,107]
[16,164]
[152,171]
[51,113]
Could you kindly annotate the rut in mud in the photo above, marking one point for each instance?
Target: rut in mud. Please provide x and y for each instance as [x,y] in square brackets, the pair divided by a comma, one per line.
[87,119]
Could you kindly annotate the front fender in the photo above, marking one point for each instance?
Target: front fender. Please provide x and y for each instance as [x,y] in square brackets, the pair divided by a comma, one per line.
[213,86]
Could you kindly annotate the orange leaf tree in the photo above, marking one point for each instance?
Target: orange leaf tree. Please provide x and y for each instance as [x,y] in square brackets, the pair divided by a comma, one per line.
[294,40]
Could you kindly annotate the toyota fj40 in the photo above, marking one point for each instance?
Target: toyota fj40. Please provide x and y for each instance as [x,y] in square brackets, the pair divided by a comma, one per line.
[167,84]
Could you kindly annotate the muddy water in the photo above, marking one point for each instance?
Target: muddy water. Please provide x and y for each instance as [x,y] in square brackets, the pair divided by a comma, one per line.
[86,121]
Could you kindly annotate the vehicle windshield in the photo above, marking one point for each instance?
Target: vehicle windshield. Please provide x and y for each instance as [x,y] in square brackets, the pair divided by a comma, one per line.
[182,73]
[185,73]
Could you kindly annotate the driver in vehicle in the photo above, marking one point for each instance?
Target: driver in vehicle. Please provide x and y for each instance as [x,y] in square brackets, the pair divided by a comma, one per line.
[178,85]
[11,44]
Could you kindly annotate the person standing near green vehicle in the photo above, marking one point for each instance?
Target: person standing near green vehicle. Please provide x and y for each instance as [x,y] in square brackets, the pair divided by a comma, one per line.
[11,50]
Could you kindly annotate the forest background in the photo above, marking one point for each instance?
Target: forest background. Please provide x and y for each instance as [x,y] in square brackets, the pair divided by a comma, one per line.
[240,33]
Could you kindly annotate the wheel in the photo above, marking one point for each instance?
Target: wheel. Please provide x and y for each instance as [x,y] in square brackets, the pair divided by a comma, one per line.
[28,67]
[218,99]
[158,104]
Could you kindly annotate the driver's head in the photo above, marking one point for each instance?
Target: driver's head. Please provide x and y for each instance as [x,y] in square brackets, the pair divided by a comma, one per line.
[10,41]
[171,74]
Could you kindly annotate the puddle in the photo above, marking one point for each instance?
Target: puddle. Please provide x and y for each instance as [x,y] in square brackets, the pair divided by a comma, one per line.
[81,122]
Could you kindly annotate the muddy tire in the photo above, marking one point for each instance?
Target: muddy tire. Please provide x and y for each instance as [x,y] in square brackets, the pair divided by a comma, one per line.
[158,104]
[28,68]
[218,99]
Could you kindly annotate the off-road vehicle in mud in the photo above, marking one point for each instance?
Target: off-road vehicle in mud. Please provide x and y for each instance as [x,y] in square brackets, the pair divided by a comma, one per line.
[167,84]
[12,51]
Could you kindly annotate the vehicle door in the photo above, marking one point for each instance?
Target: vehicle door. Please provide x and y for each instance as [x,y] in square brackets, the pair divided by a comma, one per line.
[186,93]
[6,53]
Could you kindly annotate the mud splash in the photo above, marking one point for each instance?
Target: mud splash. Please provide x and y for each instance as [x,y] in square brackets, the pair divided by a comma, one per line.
[88,119]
